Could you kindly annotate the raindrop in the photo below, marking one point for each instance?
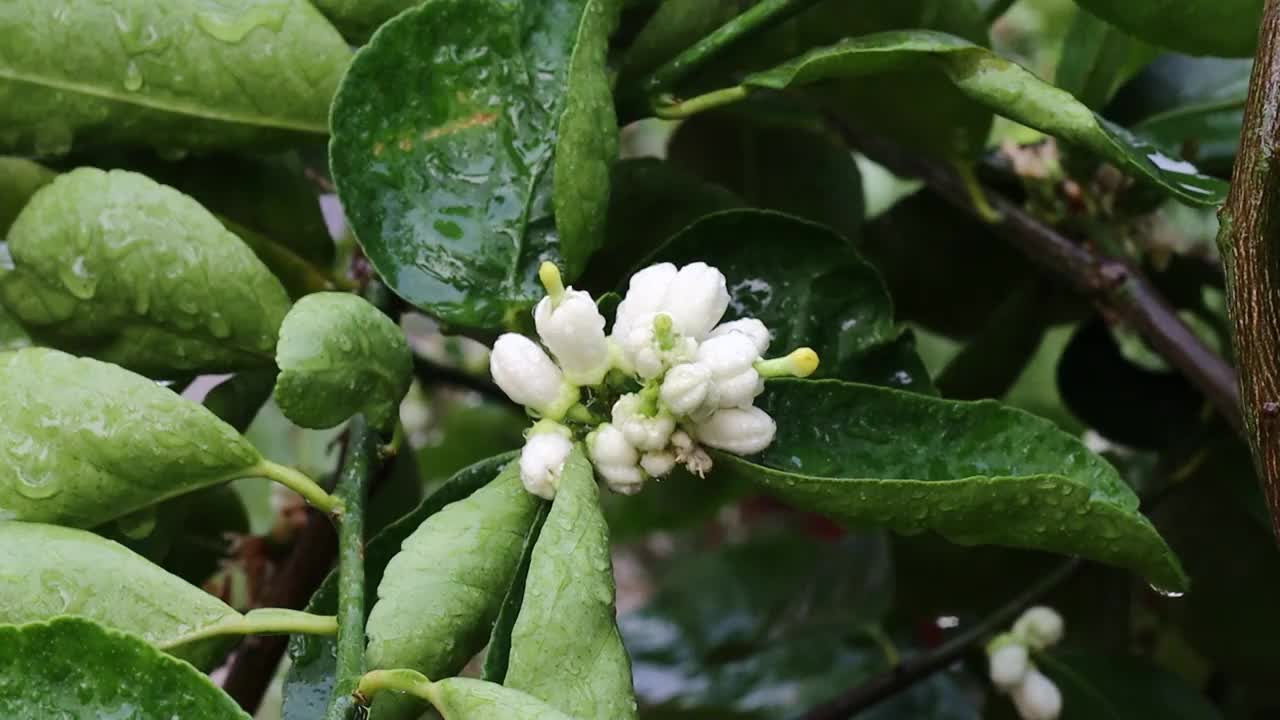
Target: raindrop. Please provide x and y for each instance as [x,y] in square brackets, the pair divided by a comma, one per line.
[78,280]
[229,29]
[37,487]
[219,326]
[133,77]
[138,525]
[1167,593]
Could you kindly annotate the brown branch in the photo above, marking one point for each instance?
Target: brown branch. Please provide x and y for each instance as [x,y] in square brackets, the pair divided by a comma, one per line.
[1110,283]
[1247,241]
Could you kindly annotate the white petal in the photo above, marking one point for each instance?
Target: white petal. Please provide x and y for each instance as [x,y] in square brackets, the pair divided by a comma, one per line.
[696,299]
[1037,697]
[743,431]
[524,372]
[750,327]
[645,293]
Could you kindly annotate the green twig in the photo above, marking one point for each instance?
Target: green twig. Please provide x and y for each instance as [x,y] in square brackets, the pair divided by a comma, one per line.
[263,621]
[669,109]
[299,483]
[352,489]
[405,681]
[762,16]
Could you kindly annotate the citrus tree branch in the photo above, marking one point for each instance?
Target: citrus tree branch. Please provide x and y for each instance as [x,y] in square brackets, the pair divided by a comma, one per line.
[1251,257]
[1112,284]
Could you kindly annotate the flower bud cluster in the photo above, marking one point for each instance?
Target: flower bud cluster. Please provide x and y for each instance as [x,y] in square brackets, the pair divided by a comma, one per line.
[1035,696]
[674,377]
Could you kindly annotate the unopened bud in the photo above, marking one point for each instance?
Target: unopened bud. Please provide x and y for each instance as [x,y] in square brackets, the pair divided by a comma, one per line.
[800,363]
[1040,627]
[1037,697]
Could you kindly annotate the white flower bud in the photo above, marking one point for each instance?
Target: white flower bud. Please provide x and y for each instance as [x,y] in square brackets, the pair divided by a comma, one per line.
[1040,627]
[742,431]
[542,460]
[573,329]
[658,464]
[688,390]
[1037,697]
[644,430]
[1009,664]
[731,358]
[682,443]
[527,376]
[696,299]
[750,327]
[648,353]
[615,459]
[645,293]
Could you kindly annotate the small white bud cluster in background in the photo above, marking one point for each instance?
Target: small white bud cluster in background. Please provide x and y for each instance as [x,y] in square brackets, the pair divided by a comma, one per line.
[675,379]
[1012,672]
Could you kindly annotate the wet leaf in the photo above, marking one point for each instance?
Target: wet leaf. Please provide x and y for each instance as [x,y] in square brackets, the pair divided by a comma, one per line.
[460,698]
[176,76]
[497,654]
[1201,27]
[461,169]
[19,180]
[565,646]
[1004,88]
[338,356]
[976,472]
[117,266]
[1097,59]
[48,571]
[311,674]
[114,675]
[674,26]
[1116,687]
[85,442]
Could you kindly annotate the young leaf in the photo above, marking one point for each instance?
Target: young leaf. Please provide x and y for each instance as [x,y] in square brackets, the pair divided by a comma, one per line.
[1098,687]
[565,646]
[339,355]
[176,76]
[1004,88]
[1200,27]
[439,596]
[19,180]
[115,265]
[85,442]
[73,668]
[310,679]
[48,571]
[452,156]
[976,472]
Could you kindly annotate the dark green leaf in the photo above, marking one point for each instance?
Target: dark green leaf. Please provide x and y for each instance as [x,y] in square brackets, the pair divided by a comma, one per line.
[894,363]
[117,266]
[565,646]
[674,26]
[791,166]
[1116,687]
[976,472]
[1097,59]
[19,180]
[338,356]
[85,442]
[462,169]
[677,502]
[74,668]
[1003,87]
[498,654]
[12,336]
[357,19]
[174,76]
[49,571]
[311,675]
[1200,27]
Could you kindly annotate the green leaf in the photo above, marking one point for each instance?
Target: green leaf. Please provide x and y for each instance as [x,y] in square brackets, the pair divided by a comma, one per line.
[1004,88]
[681,501]
[74,668]
[19,180]
[1200,27]
[497,654]
[1116,687]
[784,164]
[976,472]
[460,168]
[565,646]
[441,593]
[311,674]
[12,336]
[85,442]
[338,356]
[461,698]
[48,571]
[674,26]
[176,76]
[133,272]
[1097,59]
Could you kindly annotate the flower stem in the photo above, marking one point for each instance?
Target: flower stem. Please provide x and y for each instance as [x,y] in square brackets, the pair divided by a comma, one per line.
[672,110]
[263,621]
[363,453]
[406,681]
[299,483]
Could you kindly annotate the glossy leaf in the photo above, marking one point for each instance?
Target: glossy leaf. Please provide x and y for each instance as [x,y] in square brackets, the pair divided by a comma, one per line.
[565,646]
[310,679]
[132,272]
[1004,88]
[441,593]
[85,442]
[1226,28]
[460,169]
[19,180]
[357,19]
[1097,59]
[1114,687]
[976,472]
[497,655]
[73,668]
[48,571]
[782,164]
[338,356]
[176,76]
[674,26]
